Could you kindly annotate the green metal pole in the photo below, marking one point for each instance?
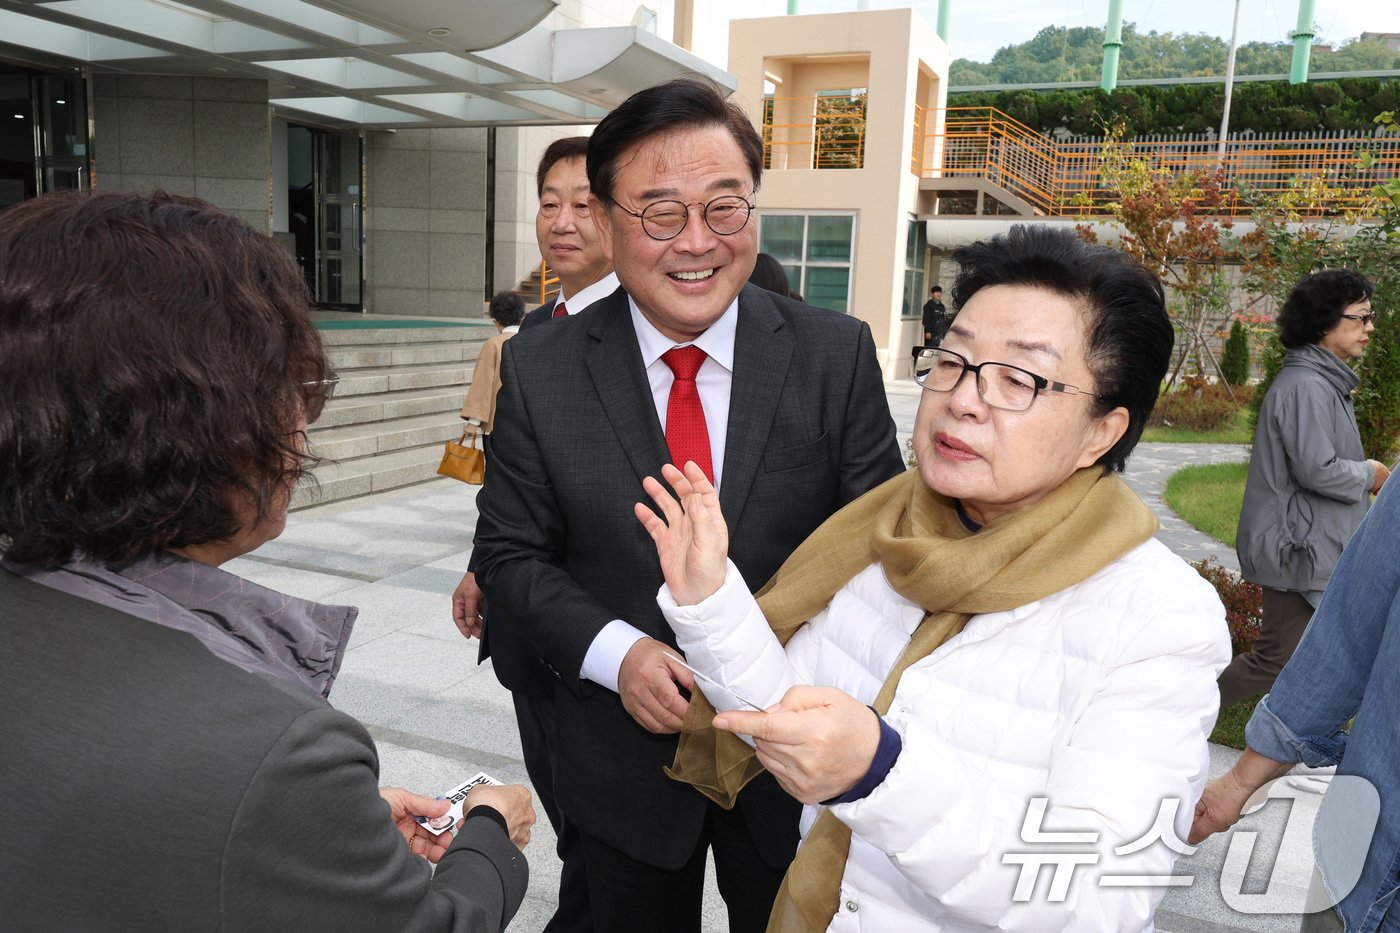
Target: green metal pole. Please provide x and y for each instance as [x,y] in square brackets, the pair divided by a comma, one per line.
[1302,43]
[944,8]
[1112,42]
[792,7]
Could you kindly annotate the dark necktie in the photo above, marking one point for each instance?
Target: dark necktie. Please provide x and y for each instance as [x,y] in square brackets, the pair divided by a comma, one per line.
[686,434]
[560,310]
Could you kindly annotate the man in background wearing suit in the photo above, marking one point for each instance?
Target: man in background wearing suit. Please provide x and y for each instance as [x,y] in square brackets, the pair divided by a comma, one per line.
[781,403]
[570,243]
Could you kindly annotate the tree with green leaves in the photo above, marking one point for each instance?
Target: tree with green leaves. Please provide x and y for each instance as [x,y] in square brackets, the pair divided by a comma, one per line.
[1234,361]
[1058,53]
[1173,225]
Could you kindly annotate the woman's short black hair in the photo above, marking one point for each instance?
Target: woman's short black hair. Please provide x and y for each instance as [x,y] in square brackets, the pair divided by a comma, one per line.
[769,275]
[1129,333]
[160,364]
[681,103]
[1316,304]
[507,308]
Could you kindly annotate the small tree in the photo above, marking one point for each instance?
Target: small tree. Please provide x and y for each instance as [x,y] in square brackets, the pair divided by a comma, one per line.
[1234,362]
[1173,225]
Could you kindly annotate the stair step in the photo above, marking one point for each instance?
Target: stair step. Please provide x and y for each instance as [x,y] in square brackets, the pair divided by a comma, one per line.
[379,357]
[373,336]
[371,474]
[356,382]
[360,409]
[365,440]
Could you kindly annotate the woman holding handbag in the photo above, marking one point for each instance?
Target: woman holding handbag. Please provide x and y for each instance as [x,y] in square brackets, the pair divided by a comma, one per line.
[468,462]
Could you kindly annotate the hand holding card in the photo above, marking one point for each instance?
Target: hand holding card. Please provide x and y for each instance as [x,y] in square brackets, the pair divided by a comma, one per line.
[407,810]
[441,824]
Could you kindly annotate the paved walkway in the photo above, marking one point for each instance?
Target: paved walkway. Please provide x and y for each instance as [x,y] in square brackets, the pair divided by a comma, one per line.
[437,717]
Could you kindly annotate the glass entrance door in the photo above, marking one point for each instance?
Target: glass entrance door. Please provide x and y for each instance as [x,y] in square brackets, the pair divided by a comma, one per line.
[61,122]
[43,133]
[338,227]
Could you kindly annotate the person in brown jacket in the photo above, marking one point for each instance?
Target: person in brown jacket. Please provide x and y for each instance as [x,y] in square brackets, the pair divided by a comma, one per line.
[479,407]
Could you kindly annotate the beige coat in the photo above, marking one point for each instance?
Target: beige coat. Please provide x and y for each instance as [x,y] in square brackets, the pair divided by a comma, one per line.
[480,402]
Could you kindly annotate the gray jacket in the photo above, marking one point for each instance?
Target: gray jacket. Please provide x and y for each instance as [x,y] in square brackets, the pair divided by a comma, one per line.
[1309,482]
[201,796]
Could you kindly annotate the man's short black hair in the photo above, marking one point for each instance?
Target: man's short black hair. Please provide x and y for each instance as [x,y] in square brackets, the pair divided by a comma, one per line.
[936,288]
[570,147]
[1129,333]
[682,103]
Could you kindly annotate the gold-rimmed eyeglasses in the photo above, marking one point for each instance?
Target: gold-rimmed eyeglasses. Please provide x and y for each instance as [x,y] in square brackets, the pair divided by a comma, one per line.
[1000,385]
[726,215]
[1365,319]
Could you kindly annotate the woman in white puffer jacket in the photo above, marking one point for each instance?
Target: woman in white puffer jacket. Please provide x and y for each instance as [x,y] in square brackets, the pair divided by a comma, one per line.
[1042,671]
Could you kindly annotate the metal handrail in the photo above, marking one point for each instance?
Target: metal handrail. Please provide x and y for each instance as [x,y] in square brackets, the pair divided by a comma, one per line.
[1064,178]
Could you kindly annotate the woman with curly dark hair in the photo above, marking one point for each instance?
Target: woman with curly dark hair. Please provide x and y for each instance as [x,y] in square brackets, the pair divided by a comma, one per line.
[160,369]
[1309,480]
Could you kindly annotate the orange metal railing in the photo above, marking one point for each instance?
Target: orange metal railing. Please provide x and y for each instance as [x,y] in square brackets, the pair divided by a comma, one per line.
[1066,178]
[814,132]
[548,282]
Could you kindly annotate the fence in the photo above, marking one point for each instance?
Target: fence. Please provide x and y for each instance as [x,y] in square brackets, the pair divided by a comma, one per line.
[1064,177]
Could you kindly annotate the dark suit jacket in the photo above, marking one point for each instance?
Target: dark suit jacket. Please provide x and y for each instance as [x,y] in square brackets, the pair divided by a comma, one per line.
[147,785]
[539,315]
[561,554]
[515,661]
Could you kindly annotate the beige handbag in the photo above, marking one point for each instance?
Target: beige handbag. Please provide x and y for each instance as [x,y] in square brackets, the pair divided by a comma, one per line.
[462,462]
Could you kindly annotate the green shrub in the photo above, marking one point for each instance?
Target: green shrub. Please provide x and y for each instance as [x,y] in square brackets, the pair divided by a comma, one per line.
[1244,602]
[1244,607]
[1234,362]
[1198,405]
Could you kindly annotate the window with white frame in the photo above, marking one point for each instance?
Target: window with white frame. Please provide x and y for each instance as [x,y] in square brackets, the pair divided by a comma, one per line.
[915,251]
[817,251]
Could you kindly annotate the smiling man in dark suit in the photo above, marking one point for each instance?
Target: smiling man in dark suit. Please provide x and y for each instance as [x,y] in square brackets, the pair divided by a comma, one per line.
[570,243]
[781,403]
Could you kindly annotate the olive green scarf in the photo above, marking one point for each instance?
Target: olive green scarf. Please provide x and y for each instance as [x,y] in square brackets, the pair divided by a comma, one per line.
[930,557]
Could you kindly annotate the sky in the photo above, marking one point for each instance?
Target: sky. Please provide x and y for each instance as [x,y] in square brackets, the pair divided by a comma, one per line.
[977,28]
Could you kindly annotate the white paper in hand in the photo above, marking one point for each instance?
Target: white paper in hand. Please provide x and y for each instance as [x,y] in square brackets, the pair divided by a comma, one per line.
[438,825]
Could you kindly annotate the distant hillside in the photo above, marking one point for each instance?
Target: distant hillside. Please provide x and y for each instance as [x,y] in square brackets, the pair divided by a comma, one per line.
[1059,54]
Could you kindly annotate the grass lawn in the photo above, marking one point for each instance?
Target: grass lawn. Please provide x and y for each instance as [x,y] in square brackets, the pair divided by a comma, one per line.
[1229,728]
[1237,432]
[1209,498]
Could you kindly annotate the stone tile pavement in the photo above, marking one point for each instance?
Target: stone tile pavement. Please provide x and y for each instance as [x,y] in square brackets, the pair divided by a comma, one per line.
[437,717]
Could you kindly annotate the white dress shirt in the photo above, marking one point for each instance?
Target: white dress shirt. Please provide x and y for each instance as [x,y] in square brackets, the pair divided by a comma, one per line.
[604,657]
[600,289]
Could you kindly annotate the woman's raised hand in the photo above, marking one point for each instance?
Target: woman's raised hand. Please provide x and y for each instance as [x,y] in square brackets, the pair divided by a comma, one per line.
[692,540]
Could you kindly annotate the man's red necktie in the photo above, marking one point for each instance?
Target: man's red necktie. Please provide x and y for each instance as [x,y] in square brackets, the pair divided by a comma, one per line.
[686,434]
[560,310]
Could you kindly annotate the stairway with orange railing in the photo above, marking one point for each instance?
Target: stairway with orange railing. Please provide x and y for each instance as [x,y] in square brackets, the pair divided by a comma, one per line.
[984,148]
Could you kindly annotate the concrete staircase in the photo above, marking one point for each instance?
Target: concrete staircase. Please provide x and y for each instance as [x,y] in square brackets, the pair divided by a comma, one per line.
[397,403]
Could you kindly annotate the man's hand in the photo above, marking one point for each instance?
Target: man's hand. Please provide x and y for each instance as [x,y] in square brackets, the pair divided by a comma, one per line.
[647,684]
[468,606]
[470,430]
[818,741]
[693,540]
[1224,799]
[403,807]
[512,801]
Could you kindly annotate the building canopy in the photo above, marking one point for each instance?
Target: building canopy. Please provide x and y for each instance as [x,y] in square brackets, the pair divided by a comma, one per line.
[410,63]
